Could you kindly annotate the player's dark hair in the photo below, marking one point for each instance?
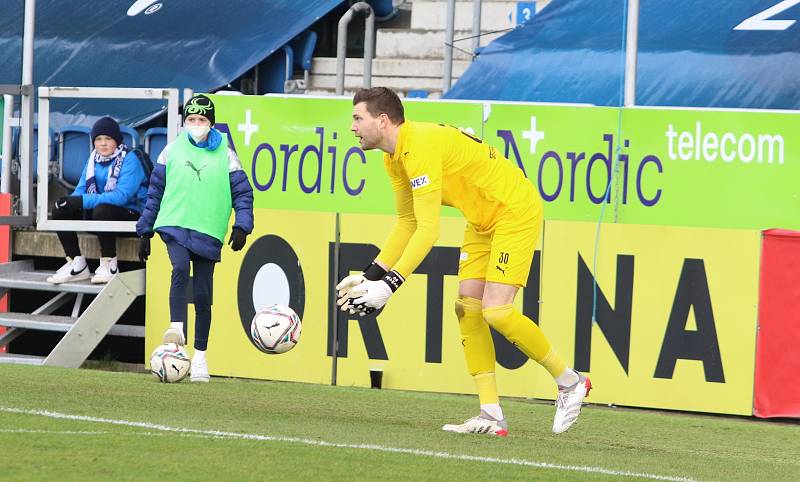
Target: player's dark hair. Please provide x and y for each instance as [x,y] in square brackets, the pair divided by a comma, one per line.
[381,100]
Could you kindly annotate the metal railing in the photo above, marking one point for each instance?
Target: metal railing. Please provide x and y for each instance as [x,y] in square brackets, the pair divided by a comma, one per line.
[25,121]
[43,223]
[369,44]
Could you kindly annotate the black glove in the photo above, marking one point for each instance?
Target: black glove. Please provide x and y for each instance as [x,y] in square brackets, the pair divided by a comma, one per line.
[144,247]
[238,238]
[70,204]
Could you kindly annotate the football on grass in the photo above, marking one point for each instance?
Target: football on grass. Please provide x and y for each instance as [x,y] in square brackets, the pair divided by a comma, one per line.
[170,363]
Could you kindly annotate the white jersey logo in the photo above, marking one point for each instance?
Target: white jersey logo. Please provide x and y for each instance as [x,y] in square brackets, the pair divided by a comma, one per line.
[420,181]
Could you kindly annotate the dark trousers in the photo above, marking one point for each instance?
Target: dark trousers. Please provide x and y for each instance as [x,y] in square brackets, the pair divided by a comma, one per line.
[202,287]
[103,212]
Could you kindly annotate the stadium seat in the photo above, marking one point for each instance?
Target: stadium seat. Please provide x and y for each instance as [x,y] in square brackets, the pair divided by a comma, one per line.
[75,146]
[384,9]
[15,153]
[417,94]
[130,137]
[303,46]
[275,71]
[155,139]
[52,142]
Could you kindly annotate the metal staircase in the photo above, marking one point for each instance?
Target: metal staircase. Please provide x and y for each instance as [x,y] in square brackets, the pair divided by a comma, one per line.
[83,331]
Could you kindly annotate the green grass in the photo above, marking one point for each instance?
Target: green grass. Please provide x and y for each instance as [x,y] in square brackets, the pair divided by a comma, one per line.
[36,447]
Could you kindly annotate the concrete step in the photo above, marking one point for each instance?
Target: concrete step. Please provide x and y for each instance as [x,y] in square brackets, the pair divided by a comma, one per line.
[397,67]
[21,359]
[421,44]
[350,92]
[495,15]
[353,82]
[60,323]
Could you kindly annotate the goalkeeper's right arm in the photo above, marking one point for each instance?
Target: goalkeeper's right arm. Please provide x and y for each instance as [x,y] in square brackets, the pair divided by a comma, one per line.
[393,247]
[403,229]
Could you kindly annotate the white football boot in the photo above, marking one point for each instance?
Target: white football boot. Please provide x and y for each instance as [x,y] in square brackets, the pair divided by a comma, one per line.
[569,402]
[199,371]
[174,335]
[483,423]
[106,270]
[74,270]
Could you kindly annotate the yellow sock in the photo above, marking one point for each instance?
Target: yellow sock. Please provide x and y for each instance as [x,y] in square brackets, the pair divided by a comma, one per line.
[525,335]
[478,348]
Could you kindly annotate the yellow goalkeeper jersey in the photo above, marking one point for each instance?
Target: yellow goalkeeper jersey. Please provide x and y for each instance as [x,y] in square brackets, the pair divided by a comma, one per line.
[435,165]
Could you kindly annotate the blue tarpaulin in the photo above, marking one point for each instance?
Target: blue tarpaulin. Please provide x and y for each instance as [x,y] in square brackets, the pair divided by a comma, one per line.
[715,53]
[197,44]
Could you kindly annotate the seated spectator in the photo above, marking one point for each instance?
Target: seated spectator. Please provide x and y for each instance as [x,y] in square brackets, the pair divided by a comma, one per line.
[113,187]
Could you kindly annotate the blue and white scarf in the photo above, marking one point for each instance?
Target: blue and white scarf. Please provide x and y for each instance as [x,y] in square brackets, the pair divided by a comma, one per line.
[111,183]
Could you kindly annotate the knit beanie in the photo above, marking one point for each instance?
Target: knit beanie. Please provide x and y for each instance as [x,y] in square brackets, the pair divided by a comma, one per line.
[107,126]
[201,105]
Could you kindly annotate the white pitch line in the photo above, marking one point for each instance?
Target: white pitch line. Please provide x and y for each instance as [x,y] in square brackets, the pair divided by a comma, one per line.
[54,432]
[322,443]
[88,432]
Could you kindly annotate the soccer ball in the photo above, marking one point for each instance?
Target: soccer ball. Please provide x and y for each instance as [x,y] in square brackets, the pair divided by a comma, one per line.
[275,329]
[170,363]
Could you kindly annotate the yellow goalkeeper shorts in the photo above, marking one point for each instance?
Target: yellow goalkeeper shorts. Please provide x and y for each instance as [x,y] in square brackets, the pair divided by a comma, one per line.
[504,254]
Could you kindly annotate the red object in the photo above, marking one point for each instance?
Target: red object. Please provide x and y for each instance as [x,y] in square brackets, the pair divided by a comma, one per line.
[777,381]
[5,251]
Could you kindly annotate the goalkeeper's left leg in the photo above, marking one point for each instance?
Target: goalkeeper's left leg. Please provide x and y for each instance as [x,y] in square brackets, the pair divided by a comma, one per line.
[478,348]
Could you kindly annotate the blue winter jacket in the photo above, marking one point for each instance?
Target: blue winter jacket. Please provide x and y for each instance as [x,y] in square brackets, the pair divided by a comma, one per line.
[131,190]
[195,241]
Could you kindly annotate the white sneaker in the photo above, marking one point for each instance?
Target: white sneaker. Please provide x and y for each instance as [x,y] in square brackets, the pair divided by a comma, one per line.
[173,335]
[75,270]
[200,371]
[568,403]
[483,423]
[106,270]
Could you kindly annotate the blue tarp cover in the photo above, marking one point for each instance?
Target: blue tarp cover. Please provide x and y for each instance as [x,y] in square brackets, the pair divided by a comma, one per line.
[691,53]
[198,44]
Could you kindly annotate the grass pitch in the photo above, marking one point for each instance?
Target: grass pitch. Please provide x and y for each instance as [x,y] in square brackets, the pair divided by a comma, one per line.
[94,425]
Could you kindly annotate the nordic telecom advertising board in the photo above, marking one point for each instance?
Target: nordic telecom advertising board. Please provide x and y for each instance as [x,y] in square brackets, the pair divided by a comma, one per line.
[677,274]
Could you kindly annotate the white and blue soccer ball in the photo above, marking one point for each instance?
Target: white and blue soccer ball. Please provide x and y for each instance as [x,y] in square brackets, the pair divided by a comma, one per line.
[170,363]
[275,329]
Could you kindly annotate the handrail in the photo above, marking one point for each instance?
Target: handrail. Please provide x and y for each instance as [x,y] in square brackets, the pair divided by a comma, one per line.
[369,44]
[476,25]
[447,77]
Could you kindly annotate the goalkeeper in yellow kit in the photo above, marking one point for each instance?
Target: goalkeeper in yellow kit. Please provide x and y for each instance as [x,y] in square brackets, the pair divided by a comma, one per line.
[431,165]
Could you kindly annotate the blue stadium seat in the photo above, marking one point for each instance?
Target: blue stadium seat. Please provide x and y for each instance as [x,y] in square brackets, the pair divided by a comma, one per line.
[418,94]
[303,46]
[52,144]
[384,9]
[53,149]
[275,70]
[75,146]
[155,139]
[130,137]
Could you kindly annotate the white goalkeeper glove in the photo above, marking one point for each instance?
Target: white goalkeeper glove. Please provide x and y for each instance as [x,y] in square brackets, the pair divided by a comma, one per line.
[373,295]
[373,272]
[344,288]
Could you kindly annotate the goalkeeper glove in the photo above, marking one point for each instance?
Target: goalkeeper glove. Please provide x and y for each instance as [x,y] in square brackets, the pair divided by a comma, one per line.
[373,295]
[373,272]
